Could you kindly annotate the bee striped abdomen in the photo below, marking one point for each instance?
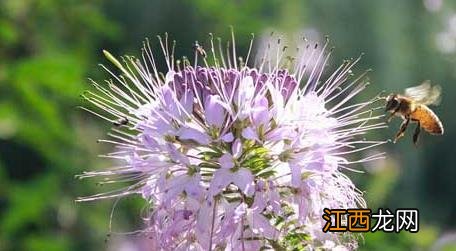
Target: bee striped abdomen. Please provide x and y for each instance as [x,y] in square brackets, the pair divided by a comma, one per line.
[428,120]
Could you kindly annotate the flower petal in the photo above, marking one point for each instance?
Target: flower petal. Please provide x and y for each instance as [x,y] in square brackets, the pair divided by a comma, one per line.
[236,148]
[260,113]
[226,161]
[214,112]
[229,137]
[221,179]
[249,133]
[243,179]
[193,134]
[261,226]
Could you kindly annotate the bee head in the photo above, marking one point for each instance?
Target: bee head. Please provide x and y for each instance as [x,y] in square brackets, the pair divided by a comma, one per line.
[391,102]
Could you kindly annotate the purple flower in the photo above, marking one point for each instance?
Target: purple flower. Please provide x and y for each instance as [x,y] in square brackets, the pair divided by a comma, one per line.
[235,155]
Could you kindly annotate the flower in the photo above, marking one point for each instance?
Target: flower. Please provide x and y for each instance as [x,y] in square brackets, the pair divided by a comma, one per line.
[232,156]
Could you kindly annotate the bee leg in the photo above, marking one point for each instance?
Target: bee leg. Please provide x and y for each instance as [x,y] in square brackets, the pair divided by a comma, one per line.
[416,134]
[390,117]
[401,131]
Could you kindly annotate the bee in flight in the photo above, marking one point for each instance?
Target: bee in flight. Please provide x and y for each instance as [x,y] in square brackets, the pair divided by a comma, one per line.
[198,48]
[121,122]
[413,106]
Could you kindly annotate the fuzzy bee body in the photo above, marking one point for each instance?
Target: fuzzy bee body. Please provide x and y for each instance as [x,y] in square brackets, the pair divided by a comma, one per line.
[412,106]
[121,122]
[428,120]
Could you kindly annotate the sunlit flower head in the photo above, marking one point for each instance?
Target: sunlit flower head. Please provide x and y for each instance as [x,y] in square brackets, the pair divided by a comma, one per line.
[233,154]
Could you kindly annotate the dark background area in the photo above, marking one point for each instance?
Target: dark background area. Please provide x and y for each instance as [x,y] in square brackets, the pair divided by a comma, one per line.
[48,49]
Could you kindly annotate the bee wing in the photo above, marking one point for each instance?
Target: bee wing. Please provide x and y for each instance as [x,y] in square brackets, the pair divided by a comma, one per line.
[425,93]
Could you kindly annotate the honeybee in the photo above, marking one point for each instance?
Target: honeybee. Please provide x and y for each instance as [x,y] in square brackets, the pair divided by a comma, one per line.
[121,122]
[413,106]
[197,47]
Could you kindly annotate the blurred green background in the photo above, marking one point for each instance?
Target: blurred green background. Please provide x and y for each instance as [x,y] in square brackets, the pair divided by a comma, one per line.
[48,49]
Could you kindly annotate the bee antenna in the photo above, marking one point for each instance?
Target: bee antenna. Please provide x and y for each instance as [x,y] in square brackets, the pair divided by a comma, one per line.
[380,95]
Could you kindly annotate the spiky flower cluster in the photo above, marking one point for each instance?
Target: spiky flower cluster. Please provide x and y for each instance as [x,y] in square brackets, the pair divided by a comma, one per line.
[232,157]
